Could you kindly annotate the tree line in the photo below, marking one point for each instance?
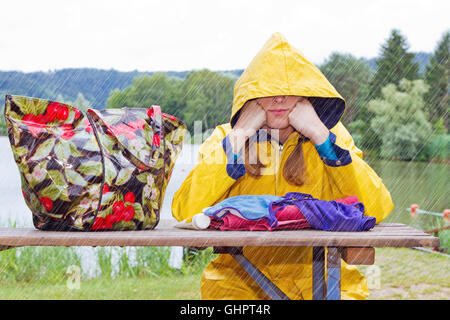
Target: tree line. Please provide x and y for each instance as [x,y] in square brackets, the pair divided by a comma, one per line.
[399,109]
[394,111]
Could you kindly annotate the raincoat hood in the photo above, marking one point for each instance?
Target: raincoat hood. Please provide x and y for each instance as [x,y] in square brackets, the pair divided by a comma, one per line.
[280,69]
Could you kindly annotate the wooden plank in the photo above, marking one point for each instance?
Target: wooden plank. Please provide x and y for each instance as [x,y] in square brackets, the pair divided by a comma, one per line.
[23,234]
[391,224]
[167,236]
[305,233]
[31,233]
[358,255]
[389,229]
[382,226]
[4,232]
[228,250]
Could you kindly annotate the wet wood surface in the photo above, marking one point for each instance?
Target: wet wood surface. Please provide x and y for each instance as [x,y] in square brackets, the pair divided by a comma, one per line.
[165,234]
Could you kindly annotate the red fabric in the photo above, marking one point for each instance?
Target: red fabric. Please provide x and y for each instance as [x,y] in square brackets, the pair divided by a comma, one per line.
[289,218]
[348,200]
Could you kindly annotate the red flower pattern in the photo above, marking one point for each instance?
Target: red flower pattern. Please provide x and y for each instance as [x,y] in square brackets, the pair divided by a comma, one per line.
[157,140]
[165,115]
[62,113]
[52,109]
[120,213]
[67,129]
[77,113]
[128,213]
[47,203]
[118,207]
[129,197]
[105,189]
[88,126]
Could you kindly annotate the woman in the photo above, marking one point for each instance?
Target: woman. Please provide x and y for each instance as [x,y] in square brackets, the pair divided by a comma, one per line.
[307,149]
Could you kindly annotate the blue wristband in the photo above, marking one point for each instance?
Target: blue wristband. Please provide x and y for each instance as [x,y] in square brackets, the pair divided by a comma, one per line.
[326,150]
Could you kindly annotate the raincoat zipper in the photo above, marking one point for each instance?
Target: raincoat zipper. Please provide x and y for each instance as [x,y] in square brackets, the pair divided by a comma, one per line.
[280,153]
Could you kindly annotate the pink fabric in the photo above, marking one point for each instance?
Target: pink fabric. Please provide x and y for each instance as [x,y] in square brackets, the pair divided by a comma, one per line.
[348,200]
[289,218]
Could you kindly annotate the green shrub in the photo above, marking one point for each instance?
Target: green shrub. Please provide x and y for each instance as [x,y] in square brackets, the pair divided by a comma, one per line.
[439,147]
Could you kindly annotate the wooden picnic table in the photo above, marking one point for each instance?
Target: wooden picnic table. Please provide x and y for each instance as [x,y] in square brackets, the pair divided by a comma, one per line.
[353,247]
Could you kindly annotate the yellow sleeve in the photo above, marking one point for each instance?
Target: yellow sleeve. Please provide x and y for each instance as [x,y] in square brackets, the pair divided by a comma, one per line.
[358,178]
[208,183]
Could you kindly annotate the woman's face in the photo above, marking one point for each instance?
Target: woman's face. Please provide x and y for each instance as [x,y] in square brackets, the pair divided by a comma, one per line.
[277,110]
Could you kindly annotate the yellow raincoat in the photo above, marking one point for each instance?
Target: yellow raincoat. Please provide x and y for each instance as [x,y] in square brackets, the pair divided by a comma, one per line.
[279,69]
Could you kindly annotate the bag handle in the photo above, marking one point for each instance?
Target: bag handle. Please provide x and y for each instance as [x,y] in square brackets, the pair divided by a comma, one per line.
[158,130]
[158,134]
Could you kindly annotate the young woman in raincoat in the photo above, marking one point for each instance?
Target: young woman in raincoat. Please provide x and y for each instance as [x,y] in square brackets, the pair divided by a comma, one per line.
[307,149]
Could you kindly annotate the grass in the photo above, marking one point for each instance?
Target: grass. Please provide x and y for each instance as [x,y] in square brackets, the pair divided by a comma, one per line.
[56,264]
[123,273]
[138,288]
[143,273]
[37,264]
[410,274]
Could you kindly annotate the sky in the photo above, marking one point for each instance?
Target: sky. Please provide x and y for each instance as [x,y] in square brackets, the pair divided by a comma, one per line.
[176,35]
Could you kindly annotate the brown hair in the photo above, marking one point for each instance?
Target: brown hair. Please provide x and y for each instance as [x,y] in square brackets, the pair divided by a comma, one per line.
[294,170]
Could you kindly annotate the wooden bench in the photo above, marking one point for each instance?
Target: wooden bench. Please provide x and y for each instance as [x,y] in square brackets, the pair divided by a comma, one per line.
[353,247]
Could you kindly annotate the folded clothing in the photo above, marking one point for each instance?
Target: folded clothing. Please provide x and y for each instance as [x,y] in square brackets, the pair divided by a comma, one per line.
[289,217]
[248,207]
[293,211]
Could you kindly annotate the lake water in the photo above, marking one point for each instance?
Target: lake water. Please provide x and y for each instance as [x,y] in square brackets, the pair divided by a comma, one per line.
[422,183]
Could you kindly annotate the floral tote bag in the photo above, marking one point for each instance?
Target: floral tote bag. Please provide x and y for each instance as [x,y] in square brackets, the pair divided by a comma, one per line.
[103,170]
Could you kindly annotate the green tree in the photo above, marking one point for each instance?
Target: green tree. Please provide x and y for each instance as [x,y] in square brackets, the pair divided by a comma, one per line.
[82,103]
[437,76]
[400,120]
[351,77]
[146,91]
[207,96]
[395,63]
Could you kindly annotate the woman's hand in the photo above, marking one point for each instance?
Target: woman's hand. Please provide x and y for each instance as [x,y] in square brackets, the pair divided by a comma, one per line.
[251,119]
[305,120]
